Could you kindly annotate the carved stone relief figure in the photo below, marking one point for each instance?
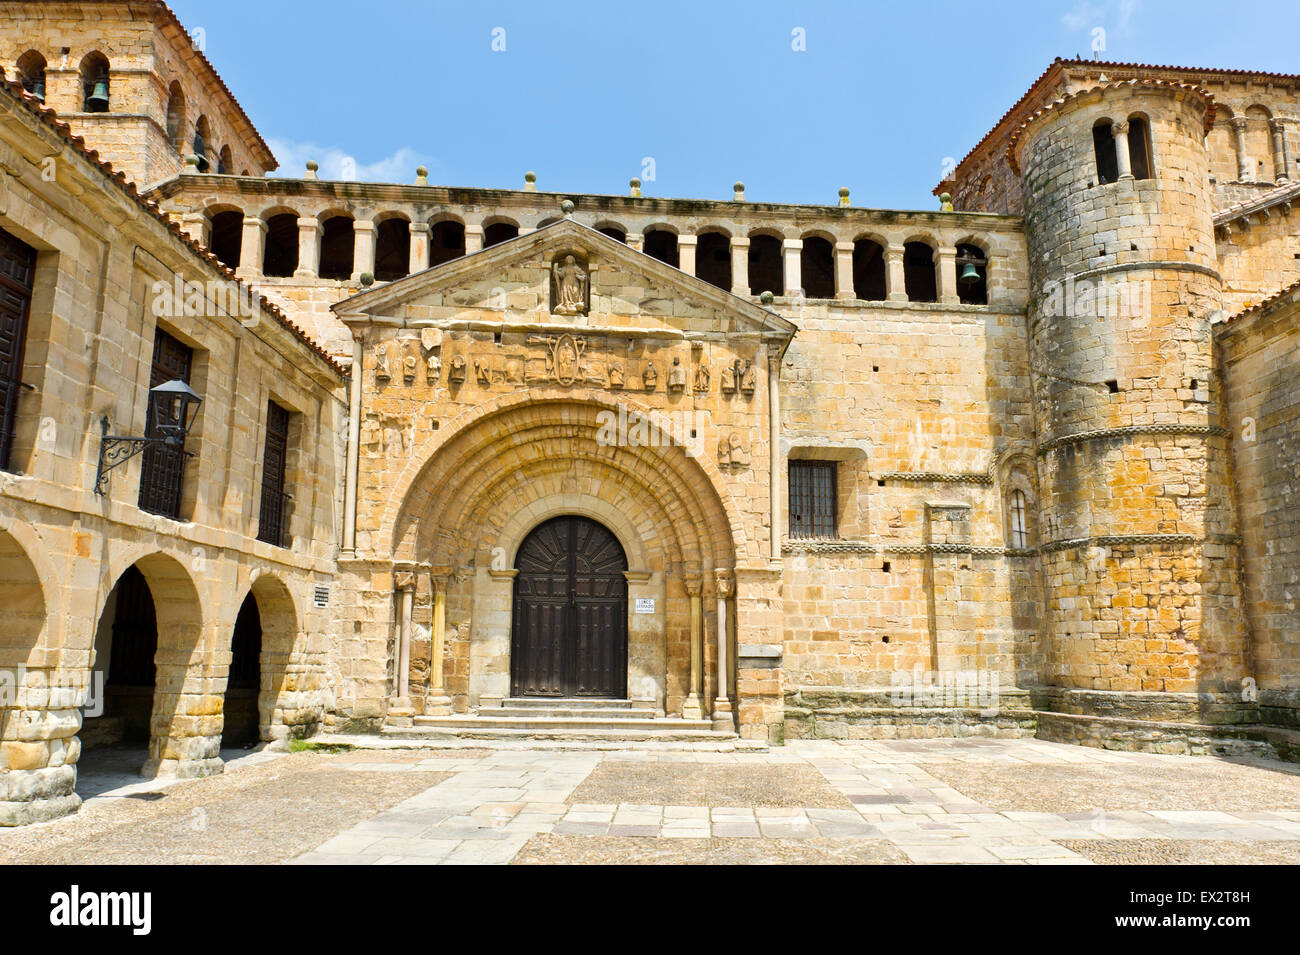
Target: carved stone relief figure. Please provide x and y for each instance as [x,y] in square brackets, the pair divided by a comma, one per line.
[701,378]
[650,377]
[457,371]
[410,362]
[615,375]
[676,376]
[728,380]
[570,287]
[382,371]
[748,380]
[432,367]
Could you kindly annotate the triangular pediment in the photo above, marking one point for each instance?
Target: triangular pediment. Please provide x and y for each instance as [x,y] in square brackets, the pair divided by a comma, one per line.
[608,286]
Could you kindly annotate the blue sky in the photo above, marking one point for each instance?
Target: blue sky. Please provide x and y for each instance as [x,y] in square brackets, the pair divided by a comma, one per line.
[712,91]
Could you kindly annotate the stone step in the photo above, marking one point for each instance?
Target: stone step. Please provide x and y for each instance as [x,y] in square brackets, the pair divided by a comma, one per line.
[615,736]
[569,712]
[539,723]
[571,703]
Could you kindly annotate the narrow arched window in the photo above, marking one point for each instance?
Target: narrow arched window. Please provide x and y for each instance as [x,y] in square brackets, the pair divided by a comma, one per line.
[31,72]
[94,83]
[1139,148]
[972,275]
[1103,144]
[1018,521]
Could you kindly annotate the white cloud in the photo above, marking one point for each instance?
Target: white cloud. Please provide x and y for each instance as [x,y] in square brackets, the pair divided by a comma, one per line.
[1114,15]
[336,164]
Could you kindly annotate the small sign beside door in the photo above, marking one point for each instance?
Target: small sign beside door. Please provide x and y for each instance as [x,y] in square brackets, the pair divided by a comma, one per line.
[645,605]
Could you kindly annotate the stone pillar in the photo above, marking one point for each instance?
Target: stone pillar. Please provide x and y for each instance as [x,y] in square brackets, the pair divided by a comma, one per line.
[740,266]
[405,584]
[354,454]
[252,248]
[792,252]
[774,452]
[436,701]
[686,244]
[1244,172]
[723,719]
[693,708]
[844,271]
[39,745]
[1123,161]
[309,230]
[419,247]
[895,284]
[363,258]
[636,240]
[947,275]
[1280,158]
[198,227]
[473,239]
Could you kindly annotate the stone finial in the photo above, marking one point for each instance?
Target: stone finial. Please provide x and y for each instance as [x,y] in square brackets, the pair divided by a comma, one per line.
[945,202]
[530,181]
[421,175]
[739,190]
[312,166]
[367,279]
[844,195]
[567,207]
[767,298]
[635,187]
[191,166]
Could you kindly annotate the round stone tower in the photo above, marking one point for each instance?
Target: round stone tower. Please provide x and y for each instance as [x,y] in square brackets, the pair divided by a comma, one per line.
[1142,607]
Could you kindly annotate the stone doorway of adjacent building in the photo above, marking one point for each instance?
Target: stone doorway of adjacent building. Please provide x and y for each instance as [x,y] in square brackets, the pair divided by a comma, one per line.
[569,623]
[240,727]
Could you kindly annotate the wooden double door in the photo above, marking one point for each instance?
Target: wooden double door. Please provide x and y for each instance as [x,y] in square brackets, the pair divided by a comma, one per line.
[569,635]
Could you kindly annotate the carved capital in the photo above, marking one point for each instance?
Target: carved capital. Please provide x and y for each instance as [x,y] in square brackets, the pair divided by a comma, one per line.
[725,582]
[694,584]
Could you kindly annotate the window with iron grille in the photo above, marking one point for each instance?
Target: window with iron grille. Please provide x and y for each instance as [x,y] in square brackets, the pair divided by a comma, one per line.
[17,265]
[812,499]
[271,522]
[162,471]
[1019,528]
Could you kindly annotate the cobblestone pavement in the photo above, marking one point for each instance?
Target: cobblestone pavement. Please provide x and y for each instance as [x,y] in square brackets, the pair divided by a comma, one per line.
[944,801]
[862,802]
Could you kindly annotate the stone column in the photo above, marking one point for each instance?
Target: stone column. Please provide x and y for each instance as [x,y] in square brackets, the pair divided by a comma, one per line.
[693,708]
[895,284]
[740,266]
[198,227]
[252,248]
[792,252]
[354,454]
[1244,172]
[1280,158]
[419,247]
[436,701]
[844,271]
[309,230]
[774,452]
[1123,161]
[473,239]
[723,719]
[686,243]
[947,275]
[363,258]
[405,584]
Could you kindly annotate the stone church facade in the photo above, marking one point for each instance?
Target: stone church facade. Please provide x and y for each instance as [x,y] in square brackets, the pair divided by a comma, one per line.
[604,466]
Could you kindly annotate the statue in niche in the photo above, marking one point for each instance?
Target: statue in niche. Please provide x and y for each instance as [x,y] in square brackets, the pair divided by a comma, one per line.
[570,280]
[457,371]
[615,375]
[732,452]
[432,367]
[701,378]
[676,376]
[382,371]
[650,377]
[748,380]
[728,380]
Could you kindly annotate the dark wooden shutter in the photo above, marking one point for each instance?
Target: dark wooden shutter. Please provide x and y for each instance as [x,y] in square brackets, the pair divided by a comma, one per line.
[270,524]
[17,266]
[162,473]
[813,499]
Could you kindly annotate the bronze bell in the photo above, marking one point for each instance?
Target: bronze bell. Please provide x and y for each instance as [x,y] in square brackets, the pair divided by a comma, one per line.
[969,274]
[97,101]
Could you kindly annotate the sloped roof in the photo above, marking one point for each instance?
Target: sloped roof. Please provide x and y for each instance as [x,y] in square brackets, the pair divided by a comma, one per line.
[15,92]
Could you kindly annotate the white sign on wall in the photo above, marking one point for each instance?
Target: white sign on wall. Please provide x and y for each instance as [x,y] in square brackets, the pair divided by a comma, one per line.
[645,605]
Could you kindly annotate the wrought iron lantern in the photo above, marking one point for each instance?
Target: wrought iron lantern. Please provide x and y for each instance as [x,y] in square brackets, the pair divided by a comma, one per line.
[173,406]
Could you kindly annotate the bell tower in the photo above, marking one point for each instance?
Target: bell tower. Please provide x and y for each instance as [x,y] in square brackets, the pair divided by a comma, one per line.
[1142,616]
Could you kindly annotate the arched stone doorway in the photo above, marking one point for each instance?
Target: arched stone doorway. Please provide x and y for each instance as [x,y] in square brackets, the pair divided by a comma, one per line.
[240,727]
[569,617]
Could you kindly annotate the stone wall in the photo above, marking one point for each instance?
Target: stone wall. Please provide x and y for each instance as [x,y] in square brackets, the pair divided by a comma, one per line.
[1258,355]
[106,266]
